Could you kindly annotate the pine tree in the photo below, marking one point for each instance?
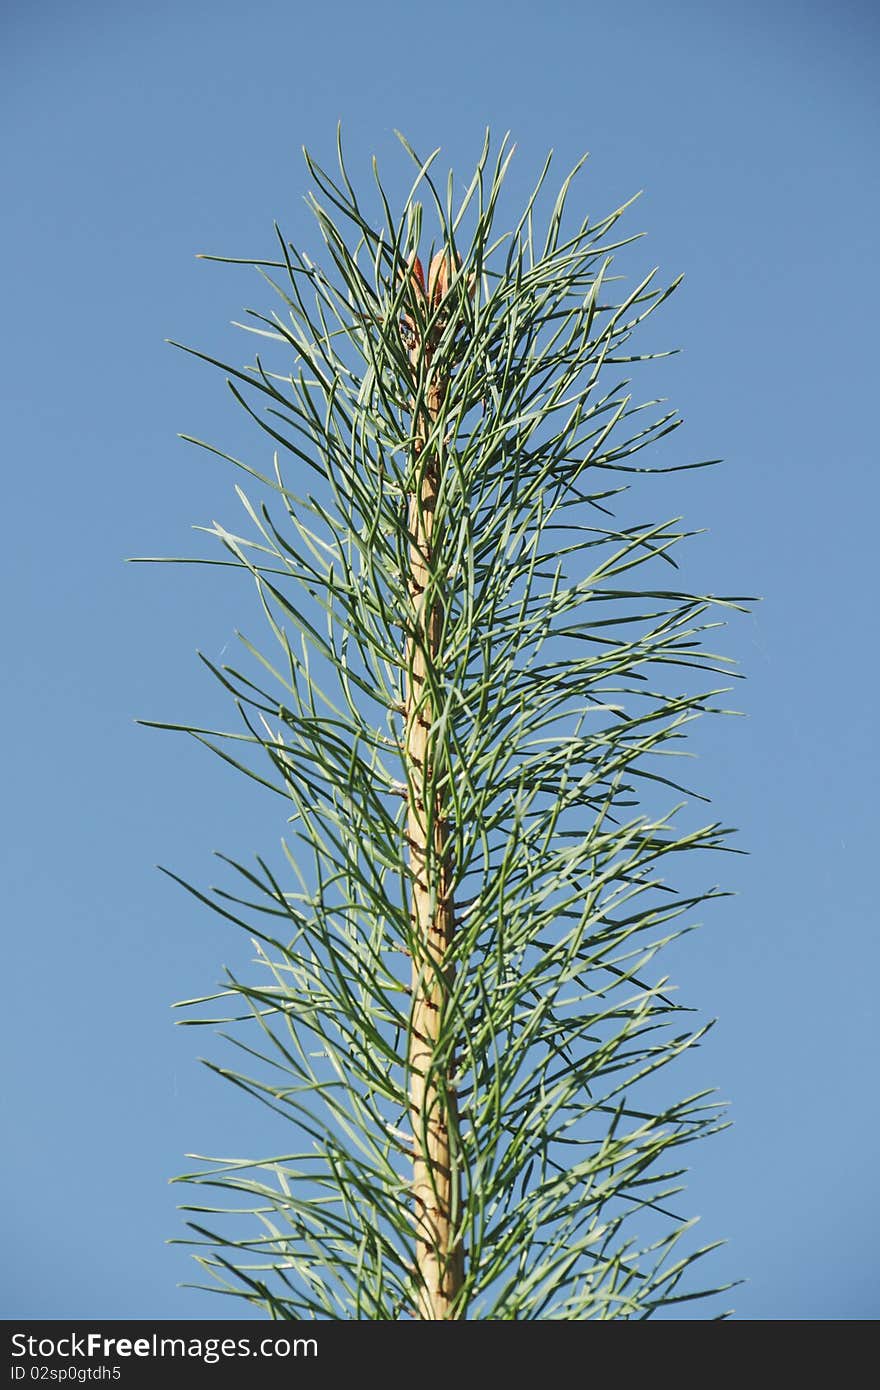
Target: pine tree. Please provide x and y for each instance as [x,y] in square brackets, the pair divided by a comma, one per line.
[476,681]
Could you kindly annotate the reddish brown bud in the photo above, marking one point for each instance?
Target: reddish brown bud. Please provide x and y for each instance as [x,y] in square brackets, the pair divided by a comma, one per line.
[417,274]
[440,276]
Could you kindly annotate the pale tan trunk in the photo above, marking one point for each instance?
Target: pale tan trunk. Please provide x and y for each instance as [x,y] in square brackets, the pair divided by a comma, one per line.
[439,1258]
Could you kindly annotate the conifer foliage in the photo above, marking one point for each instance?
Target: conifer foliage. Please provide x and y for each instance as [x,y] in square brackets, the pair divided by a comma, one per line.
[472,685]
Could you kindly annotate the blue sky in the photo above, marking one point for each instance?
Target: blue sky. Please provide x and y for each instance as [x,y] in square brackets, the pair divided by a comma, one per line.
[137,135]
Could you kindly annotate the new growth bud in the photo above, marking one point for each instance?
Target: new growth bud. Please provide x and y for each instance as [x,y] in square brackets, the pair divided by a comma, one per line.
[429,297]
